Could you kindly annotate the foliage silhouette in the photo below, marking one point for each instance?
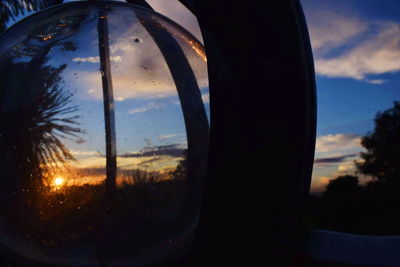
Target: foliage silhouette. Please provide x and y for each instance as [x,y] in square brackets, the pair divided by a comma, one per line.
[38,114]
[181,170]
[371,208]
[342,188]
[382,159]
[10,9]
[38,111]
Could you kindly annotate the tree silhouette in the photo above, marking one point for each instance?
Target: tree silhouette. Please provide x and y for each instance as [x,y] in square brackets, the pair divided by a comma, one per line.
[35,108]
[41,116]
[343,188]
[382,159]
[339,208]
[36,115]
[33,90]
[181,170]
[372,208]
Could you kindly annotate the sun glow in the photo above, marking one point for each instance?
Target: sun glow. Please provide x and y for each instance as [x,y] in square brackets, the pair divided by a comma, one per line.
[58,181]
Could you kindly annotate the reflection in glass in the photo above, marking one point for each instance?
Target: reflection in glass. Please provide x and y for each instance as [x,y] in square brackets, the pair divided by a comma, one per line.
[104,135]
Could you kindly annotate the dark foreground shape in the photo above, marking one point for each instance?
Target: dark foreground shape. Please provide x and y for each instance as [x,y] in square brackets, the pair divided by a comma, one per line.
[262,132]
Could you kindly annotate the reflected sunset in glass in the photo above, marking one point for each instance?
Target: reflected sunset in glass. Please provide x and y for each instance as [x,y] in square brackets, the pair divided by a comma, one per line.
[105,149]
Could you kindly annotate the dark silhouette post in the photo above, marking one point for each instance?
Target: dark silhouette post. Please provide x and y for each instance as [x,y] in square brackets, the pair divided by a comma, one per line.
[108,100]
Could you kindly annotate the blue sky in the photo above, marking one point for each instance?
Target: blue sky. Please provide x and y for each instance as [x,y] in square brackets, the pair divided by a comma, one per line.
[356,47]
[147,108]
[148,114]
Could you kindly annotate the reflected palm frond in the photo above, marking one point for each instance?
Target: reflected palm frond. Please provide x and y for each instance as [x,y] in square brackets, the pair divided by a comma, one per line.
[10,9]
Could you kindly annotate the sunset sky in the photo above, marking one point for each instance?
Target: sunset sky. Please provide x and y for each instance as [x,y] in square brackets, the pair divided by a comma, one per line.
[150,129]
[356,46]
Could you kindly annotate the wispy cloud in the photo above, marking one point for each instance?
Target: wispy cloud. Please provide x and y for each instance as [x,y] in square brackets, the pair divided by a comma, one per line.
[95,59]
[330,30]
[150,106]
[172,150]
[376,81]
[139,69]
[155,158]
[346,167]
[352,47]
[167,136]
[84,153]
[206,98]
[337,159]
[336,155]
[329,168]
[338,143]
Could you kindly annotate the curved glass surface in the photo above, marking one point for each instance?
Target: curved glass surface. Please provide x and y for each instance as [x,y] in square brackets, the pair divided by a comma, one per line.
[104,135]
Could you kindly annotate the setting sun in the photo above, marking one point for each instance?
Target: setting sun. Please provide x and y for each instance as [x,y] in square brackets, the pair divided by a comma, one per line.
[58,181]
